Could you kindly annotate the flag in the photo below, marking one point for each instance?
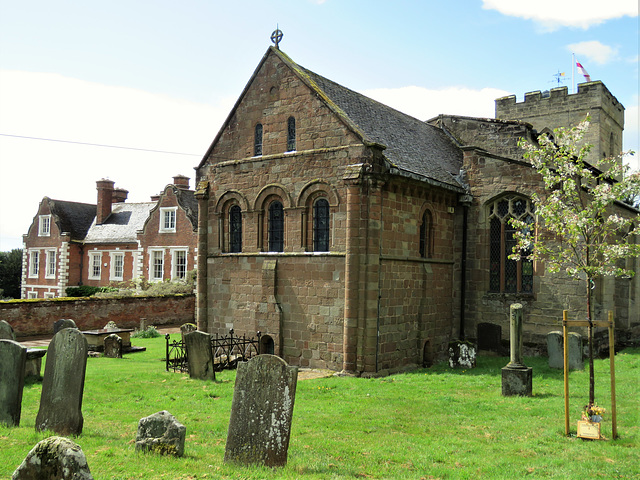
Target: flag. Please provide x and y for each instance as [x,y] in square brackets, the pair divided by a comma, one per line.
[584,73]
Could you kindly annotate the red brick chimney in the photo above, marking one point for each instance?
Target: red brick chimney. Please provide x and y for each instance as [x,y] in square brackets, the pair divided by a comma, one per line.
[105,195]
[119,195]
[155,198]
[181,181]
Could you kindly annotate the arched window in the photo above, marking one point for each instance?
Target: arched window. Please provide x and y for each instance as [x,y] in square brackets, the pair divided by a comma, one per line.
[505,275]
[291,134]
[321,225]
[426,228]
[257,141]
[276,227]
[235,229]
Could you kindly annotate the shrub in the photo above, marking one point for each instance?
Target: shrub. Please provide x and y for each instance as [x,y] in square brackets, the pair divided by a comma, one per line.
[86,291]
[150,332]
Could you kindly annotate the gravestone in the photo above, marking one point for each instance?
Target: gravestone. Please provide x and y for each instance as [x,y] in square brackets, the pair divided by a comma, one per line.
[111,325]
[517,378]
[34,363]
[199,355]
[63,384]
[489,337]
[187,328]
[113,346]
[555,350]
[62,324]
[161,433]
[6,331]
[261,412]
[462,354]
[54,458]
[13,358]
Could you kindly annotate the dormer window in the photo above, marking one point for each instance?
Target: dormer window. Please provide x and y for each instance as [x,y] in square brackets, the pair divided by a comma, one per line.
[44,225]
[257,141]
[291,134]
[168,219]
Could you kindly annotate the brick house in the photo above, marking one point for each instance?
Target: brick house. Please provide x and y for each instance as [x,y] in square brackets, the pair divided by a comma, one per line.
[357,238]
[71,244]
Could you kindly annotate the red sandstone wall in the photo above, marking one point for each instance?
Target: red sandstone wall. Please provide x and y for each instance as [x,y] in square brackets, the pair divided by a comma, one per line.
[36,317]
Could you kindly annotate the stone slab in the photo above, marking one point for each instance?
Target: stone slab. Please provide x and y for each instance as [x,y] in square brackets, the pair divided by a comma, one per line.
[517,381]
[13,358]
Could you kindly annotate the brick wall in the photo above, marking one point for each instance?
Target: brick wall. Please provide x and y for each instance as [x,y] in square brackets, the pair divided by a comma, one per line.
[36,317]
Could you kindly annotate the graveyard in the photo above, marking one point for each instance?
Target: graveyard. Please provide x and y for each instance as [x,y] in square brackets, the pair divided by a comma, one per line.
[429,423]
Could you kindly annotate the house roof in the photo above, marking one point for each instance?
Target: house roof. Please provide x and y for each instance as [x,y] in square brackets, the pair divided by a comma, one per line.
[122,225]
[410,146]
[189,203]
[72,217]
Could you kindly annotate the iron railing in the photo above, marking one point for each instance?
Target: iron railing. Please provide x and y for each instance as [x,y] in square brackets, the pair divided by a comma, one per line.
[227,351]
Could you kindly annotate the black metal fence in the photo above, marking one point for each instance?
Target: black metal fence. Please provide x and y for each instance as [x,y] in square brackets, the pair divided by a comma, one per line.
[227,351]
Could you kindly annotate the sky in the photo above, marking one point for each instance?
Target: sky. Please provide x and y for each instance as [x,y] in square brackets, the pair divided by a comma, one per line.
[136,90]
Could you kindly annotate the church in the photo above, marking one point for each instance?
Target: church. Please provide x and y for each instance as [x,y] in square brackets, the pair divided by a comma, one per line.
[357,238]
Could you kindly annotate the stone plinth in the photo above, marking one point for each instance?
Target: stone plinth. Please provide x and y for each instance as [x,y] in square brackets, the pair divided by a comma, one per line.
[517,381]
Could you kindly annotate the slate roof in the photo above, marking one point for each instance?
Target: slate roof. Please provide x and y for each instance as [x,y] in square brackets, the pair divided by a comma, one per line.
[122,225]
[188,202]
[72,217]
[412,146]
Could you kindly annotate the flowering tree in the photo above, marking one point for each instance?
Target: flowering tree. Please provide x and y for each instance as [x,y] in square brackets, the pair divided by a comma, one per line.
[579,229]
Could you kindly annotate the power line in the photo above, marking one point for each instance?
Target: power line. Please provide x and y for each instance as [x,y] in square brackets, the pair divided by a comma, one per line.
[99,145]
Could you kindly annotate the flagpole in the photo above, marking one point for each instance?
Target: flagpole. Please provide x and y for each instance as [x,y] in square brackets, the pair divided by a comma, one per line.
[573,73]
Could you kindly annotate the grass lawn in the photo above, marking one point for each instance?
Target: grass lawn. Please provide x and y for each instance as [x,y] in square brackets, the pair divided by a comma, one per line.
[430,423]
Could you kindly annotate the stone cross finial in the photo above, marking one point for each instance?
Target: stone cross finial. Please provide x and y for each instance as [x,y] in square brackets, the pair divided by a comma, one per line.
[276,37]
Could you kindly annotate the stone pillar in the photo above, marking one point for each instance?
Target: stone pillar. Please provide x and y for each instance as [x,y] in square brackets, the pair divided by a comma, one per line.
[202,194]
[517,378]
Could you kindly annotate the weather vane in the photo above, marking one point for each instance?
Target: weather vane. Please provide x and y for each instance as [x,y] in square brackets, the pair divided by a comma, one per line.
[276,37]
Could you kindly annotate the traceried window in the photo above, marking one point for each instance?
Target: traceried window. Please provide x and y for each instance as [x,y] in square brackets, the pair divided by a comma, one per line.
[95,264]
[156,267]
[44,225]
[291,134]
[235,229]
[321,225]
[168,219]
[426,232]
[257,141]
[51,264]
[276,227]
[505,275]
[34,263]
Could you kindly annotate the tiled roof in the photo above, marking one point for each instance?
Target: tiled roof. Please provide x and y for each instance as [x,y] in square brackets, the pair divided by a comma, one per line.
[189,203]
[72,217]
[412,146]
[122,225]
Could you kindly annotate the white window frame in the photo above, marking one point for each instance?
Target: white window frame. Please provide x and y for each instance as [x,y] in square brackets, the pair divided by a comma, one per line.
[50,266]
[32,295]
[168,219]
[175,253]
[49,295]
[113,273]
[95,265]
[34,263]
[44,225]
[153,253]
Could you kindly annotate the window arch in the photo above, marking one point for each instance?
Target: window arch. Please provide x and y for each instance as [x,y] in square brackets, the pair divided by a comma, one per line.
[276,227]
[321,225]
[426,234]
[291,134]
[257,141]
[235,229]
[505,275]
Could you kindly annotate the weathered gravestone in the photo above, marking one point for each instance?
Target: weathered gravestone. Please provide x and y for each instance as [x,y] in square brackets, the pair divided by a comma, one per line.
[34,363]
[517,378]
[161,433]
[113,346]
[13,358]
[555,350]
[199,355]
[62,324]
[6,331]
[186,328]
[489,337]
[54,458]
[111,325]
[261,412]
[63,384]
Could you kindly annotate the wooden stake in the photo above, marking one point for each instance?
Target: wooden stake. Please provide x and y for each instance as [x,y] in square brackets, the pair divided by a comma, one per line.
[612,355]
[565,342]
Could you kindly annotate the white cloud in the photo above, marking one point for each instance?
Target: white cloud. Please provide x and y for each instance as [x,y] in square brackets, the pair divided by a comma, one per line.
[424,104]
[50,106]
[594,51]
[554,14]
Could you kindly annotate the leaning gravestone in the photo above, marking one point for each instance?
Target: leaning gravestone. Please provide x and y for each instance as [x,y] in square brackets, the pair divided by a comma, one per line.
[54,458]
[6,331]
[161,433]
[63,384]
[62,324]
[199,356]
[13,358]
[113,346]
[261,412]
